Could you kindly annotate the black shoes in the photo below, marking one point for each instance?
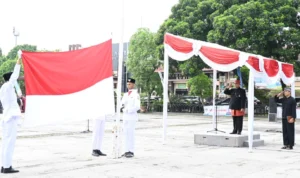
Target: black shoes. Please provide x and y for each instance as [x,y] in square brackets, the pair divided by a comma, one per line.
[236,132]
[287,147]
[9,170]
[233,132]
[284,147]
[98,153]
[128,154]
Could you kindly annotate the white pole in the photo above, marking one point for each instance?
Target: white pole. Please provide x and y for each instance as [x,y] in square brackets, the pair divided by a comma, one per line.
[161,78]
[162,82]
[214,98]
[250,109]
[165,89]
[293,88]
[119,86]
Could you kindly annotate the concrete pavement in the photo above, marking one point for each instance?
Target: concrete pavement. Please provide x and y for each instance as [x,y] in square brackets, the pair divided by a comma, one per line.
[63,151]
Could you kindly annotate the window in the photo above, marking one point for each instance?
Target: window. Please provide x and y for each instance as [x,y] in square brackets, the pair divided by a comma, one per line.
[181,86]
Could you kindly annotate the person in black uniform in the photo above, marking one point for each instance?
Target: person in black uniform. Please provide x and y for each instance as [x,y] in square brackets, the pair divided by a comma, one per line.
[288,117]
[237,106]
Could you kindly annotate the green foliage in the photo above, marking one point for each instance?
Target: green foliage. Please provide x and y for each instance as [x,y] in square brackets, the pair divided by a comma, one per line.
[143,61]
[174,98]
[260,27]
[264,27]
[8,62]
[5,67]
[13,53]
[254,26]
[201,86]
[8,66]
[245,75]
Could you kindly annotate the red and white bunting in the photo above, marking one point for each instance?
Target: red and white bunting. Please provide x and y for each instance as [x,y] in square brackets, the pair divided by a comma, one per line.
[226,59]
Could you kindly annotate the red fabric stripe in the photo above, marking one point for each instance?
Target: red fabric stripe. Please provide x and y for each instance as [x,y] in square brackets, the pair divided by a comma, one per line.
[58,73]
[271,67]
[220,56]
[237,113]
[288,70]
[178,44]
[254,62]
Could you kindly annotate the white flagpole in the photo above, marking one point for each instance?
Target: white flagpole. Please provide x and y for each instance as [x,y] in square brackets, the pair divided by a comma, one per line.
[165,99]
[16,84]
[162,81]
[119,86]
[214,123]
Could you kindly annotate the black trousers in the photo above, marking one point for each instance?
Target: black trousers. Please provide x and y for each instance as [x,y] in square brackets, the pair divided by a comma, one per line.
[288,132]
[237,123]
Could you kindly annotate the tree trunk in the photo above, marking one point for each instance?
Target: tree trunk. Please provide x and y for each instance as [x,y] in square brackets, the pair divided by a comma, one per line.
[201,100]
[148,101]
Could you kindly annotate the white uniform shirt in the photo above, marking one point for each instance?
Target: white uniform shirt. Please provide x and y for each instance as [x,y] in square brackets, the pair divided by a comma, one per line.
[8,96]
[131,104]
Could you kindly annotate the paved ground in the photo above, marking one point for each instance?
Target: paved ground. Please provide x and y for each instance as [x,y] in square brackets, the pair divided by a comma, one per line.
[63,151]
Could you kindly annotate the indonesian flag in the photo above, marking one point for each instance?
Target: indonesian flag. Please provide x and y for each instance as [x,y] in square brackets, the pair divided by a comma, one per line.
[68,86]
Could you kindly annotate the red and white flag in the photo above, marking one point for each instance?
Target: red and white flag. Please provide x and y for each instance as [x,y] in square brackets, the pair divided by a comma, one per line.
[68,86]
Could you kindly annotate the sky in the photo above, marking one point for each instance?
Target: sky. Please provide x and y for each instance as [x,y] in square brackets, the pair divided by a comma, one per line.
[55,24]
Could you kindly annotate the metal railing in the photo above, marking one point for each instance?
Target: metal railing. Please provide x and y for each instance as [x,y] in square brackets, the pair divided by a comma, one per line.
[259,110]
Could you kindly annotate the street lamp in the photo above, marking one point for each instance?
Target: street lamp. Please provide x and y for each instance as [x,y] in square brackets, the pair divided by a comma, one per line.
[16,34]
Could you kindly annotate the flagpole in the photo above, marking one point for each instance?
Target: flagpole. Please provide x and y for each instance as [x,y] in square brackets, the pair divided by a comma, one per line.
[119,86]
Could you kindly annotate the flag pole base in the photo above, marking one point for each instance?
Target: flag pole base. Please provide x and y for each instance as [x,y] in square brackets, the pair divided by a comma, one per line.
[88,128]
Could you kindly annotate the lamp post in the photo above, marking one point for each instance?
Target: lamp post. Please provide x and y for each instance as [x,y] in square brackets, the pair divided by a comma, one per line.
[16,34]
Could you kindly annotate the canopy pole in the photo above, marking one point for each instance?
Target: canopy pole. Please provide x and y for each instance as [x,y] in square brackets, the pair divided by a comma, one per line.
[250,109]
[165,89]
[214,98]
[293,88]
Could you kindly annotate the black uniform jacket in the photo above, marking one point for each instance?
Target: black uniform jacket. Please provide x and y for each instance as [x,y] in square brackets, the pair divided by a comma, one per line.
[238,98]
[288,106]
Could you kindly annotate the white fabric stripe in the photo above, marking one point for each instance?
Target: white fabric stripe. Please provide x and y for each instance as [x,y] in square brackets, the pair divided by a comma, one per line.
[95,101]
[177,55]
[285,79]
[197,44]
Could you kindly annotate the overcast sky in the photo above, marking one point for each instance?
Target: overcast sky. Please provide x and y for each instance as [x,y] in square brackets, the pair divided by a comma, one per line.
[54,24]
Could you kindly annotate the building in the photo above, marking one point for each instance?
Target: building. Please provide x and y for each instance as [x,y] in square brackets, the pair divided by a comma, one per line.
[297,83]
[115,58]
[178,81]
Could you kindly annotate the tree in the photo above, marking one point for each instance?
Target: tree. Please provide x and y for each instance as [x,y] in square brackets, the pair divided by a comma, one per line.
[0,52]
[192,19]
[267,28]
[262,27]
[8,66]
[201,86]
[8,62]
[143,61]
[13,53]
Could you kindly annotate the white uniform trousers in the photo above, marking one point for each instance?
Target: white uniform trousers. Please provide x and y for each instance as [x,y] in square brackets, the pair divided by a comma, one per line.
[9,135]
[129,133]
[98,133]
